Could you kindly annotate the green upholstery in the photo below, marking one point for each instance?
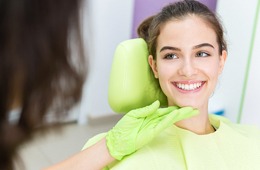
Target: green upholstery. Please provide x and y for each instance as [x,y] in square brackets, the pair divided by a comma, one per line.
[132,84]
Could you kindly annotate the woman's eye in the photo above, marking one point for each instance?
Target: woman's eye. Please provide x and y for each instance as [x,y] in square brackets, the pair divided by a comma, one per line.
[202,54]
[170,56]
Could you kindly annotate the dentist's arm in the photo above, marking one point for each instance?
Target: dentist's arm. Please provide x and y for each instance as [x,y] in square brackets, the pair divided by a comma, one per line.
[93,158]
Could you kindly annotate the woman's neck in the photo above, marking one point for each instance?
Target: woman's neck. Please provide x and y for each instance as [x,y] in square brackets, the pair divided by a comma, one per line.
[198,124]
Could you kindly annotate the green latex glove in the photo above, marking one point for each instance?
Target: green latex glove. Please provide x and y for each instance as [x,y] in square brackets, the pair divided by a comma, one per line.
[140,126]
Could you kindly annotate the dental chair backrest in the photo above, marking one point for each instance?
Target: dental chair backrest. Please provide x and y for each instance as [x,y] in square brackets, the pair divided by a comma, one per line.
[132,84]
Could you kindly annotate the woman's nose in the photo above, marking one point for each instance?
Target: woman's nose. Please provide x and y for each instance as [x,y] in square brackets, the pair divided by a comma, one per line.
[188,68]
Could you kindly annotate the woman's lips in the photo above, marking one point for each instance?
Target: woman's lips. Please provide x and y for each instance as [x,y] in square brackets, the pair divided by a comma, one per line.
[188,86]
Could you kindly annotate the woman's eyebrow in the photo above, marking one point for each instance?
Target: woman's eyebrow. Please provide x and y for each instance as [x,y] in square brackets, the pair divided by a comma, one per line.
[178,49]
[203,45]
[170,48]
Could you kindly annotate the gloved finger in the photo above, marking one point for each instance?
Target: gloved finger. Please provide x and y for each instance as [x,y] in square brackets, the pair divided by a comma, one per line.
[145,111]
[184,113]
[165,122]
[176,116]
[160,113]
[167,110]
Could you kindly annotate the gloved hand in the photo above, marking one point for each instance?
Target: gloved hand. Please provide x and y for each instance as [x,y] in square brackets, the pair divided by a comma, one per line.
[140,126]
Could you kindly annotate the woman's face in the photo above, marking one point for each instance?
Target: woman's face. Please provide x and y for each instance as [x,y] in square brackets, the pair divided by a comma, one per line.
[188,62]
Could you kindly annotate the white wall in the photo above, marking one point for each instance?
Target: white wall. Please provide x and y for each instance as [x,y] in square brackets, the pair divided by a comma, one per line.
[238,20]
[250,111]
[110,23]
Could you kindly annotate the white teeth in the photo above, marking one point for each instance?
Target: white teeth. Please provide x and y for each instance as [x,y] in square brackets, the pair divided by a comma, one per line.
[189,86]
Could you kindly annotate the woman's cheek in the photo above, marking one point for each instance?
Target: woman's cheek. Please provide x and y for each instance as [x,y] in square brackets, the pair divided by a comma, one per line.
[165,75]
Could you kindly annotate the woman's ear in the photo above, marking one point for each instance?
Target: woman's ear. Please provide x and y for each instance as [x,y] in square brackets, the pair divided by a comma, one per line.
[223,58]
[153,65]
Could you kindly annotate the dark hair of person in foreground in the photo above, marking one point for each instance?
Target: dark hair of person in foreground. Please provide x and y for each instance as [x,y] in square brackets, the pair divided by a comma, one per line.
[38,71]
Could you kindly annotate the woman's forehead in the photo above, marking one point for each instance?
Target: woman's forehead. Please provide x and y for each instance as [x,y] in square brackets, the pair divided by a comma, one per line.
[190,30]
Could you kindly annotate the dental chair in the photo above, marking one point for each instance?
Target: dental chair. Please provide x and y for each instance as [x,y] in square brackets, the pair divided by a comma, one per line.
[132,83]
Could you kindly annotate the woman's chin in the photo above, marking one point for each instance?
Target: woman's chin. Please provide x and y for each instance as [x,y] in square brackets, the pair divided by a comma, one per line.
[188,104]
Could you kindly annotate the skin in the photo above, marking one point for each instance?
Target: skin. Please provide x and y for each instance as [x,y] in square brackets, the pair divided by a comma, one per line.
[94,158]
[188,55]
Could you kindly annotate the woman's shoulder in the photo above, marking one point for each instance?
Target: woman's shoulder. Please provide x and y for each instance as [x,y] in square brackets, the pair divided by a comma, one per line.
[250,131]
[246,130]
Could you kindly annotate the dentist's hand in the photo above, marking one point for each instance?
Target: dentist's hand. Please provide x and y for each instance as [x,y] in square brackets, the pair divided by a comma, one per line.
[140,126]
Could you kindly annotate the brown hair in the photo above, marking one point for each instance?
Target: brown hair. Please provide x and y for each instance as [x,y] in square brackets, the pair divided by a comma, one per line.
[149,29]
[36,66]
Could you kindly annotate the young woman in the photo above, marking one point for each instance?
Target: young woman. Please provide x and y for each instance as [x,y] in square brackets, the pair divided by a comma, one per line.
[187,54]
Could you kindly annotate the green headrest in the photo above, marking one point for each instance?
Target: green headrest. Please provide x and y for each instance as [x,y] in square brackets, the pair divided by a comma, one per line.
[132,84]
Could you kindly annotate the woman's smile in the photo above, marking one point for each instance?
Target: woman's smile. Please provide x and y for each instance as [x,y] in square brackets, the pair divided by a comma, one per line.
[188,86]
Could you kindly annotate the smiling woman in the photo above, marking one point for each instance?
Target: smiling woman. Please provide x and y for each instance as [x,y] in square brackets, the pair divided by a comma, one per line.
[188,58]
